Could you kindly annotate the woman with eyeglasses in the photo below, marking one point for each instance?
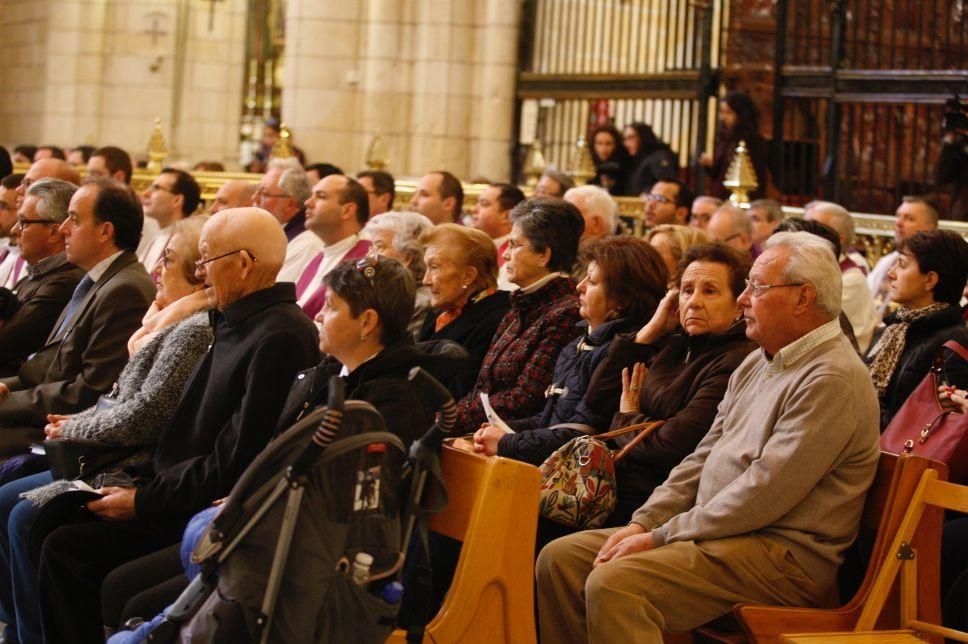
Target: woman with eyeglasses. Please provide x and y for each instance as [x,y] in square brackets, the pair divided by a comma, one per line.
[927,283]
[519,364]
[174,336]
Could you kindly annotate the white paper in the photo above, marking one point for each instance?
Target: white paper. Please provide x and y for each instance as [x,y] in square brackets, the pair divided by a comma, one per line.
[81,485]
[492,416]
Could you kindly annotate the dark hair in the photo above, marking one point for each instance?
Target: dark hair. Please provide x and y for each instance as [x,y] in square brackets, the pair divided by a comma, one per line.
[6,165]
[946,253]
[187,187]
[86,151]
[635,274]
[323,169]
[27,150]
[620,155]
[11,181]
[684,197]
[648,141]
[382,183]
[115,159]
[391,292]
[747,116]
[117,203]
[509,195]
[356,193]
[737,263]
[55,152]
[814,228]
[550,223]
[450,186]
[929,204]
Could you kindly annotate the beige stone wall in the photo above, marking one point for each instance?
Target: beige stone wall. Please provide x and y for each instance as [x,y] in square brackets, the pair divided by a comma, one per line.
[434,78]
[80,71]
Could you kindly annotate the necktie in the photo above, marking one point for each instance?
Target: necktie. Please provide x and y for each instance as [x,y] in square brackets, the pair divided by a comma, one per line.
[82,289]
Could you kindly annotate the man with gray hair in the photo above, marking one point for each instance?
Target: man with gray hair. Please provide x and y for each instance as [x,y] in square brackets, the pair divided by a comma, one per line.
[858,303]
[747,516]
[765,215]
[597,208]
[38,299]
[732,226]
[553,183]
[283,192]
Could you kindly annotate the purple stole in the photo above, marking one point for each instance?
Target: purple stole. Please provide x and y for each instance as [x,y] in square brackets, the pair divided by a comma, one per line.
[315,302]
[847,263]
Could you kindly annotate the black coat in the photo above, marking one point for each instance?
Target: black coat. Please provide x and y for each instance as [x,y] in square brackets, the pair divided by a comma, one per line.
[534,438]
[231,403]
[924,338]
[381,381]
[473,329]
[651,166]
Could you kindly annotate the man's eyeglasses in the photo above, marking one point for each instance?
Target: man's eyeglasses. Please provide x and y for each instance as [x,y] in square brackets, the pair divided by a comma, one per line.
[23,223]
[657,198]
[155,187]
[203,262]
[261,193]
[759,289]
[367,265]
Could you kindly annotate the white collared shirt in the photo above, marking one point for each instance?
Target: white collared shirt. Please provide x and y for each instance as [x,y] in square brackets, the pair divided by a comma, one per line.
[333,255]
[102,266]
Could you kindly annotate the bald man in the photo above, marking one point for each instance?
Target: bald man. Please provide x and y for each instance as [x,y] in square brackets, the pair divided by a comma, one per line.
[225,418]
[45,168]
[233,194]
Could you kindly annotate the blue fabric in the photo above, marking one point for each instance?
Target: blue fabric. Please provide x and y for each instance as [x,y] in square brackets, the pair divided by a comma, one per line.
[80,292]
[193,534]
[139,634]
[18,573]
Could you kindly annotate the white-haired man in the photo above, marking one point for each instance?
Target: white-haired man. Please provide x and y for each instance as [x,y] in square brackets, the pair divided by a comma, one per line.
[858,303]
[747,516]
[732,226]
[283,191]
[598,209]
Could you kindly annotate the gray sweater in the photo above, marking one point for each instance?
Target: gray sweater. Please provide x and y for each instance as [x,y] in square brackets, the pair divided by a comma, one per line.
[790,456]
[148,391]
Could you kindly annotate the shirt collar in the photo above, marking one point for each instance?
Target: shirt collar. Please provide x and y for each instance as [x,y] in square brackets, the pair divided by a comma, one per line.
[252,303]
[102,266]
[47,264]
[793,352]
[544,280]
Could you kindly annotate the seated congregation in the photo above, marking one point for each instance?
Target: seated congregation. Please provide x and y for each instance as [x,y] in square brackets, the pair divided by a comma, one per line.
[185,344]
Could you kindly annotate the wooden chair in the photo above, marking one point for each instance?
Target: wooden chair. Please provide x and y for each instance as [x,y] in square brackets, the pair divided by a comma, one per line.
[893,489]
[493,509]
[910,569]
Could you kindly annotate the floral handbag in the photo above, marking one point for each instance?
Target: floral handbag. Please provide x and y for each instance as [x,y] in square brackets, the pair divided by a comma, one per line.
[578,486]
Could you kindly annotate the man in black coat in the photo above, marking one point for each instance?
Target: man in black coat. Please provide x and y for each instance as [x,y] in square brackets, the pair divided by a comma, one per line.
[84,354]
[226,416]
[50,280]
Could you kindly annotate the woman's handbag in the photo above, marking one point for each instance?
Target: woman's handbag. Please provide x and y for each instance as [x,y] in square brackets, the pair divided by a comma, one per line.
[927,426]
[72,458]
[578,489]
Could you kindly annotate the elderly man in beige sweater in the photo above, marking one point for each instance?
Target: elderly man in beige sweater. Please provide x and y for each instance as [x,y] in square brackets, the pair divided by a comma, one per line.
[764,508]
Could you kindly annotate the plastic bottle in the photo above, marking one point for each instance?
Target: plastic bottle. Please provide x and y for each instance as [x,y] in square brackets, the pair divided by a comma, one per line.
[361,568]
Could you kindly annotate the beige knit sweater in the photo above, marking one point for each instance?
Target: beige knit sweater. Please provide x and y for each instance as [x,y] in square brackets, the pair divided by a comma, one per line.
[790,456]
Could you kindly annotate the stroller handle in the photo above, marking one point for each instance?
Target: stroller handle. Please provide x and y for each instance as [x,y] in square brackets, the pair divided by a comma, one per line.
[325,432]
[439,397]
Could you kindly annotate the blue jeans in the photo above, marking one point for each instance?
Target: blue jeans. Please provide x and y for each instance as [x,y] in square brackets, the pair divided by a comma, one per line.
[18,574]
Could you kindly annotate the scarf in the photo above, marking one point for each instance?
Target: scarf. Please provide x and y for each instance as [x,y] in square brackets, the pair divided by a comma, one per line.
[890,346]
[448,316]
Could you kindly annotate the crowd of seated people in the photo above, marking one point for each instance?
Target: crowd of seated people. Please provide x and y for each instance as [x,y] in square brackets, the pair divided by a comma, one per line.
[192,340]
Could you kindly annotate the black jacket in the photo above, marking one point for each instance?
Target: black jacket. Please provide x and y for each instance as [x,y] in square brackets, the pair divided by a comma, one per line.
[381,381]
[231,403]
[573,372]
[651,166]
[924,338]
[473,329]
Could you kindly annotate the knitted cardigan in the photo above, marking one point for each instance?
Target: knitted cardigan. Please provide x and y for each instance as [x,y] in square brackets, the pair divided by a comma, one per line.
[148,391]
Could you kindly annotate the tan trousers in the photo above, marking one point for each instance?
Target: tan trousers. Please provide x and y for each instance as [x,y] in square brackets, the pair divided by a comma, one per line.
[673,588]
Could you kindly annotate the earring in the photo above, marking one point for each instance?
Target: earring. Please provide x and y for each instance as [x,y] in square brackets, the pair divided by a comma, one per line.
[363,337]
[464,286]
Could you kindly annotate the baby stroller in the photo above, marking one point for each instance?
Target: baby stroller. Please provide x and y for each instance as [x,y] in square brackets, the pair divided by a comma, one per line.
[279,562]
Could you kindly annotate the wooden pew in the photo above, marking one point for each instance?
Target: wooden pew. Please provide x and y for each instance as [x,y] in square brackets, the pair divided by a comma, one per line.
[493,510]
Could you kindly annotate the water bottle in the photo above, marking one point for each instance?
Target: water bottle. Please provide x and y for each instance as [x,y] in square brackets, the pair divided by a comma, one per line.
[361,568]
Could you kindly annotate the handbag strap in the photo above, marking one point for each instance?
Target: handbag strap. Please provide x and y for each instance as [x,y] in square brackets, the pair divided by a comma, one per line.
[625,430]
[638,439]
[957,348]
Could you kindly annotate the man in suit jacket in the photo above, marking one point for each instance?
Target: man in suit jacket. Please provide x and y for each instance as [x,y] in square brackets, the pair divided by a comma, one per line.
[50,280]
[87,349]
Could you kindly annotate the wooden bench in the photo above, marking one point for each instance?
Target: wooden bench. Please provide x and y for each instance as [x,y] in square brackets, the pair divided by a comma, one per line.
[493,510]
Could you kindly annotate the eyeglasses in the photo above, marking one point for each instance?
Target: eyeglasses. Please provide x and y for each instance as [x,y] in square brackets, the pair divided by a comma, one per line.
[759,289]
[202,262]
[657,198]
[155,187]
[261,193]
[23,223]
[367,265]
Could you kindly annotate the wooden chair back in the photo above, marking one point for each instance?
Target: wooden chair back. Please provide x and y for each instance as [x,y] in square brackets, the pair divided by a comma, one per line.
[493,510]
[891,493]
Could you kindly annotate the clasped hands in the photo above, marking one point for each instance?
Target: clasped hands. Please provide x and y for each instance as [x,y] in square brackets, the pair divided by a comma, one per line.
[629,540]
[486,439]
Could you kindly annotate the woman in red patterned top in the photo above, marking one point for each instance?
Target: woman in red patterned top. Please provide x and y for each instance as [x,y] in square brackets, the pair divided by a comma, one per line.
[520,363]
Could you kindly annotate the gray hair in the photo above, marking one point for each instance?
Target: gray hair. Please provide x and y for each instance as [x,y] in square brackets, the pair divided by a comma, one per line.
[406,228]
[811,261]
[598,203]
[840,219]
[54,196]
[772,208]
[739,218]
[715,201]
[564,180]
[294,182]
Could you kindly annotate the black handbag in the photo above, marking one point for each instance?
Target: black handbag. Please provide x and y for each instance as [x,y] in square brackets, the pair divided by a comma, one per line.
[72,458]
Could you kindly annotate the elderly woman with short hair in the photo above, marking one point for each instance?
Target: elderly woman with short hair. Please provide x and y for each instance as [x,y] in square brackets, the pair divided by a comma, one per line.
[543,318]
[397,235]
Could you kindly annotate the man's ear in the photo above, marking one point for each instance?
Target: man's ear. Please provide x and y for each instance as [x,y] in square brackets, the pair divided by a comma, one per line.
[806,299]
[450,205]
[682,215]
